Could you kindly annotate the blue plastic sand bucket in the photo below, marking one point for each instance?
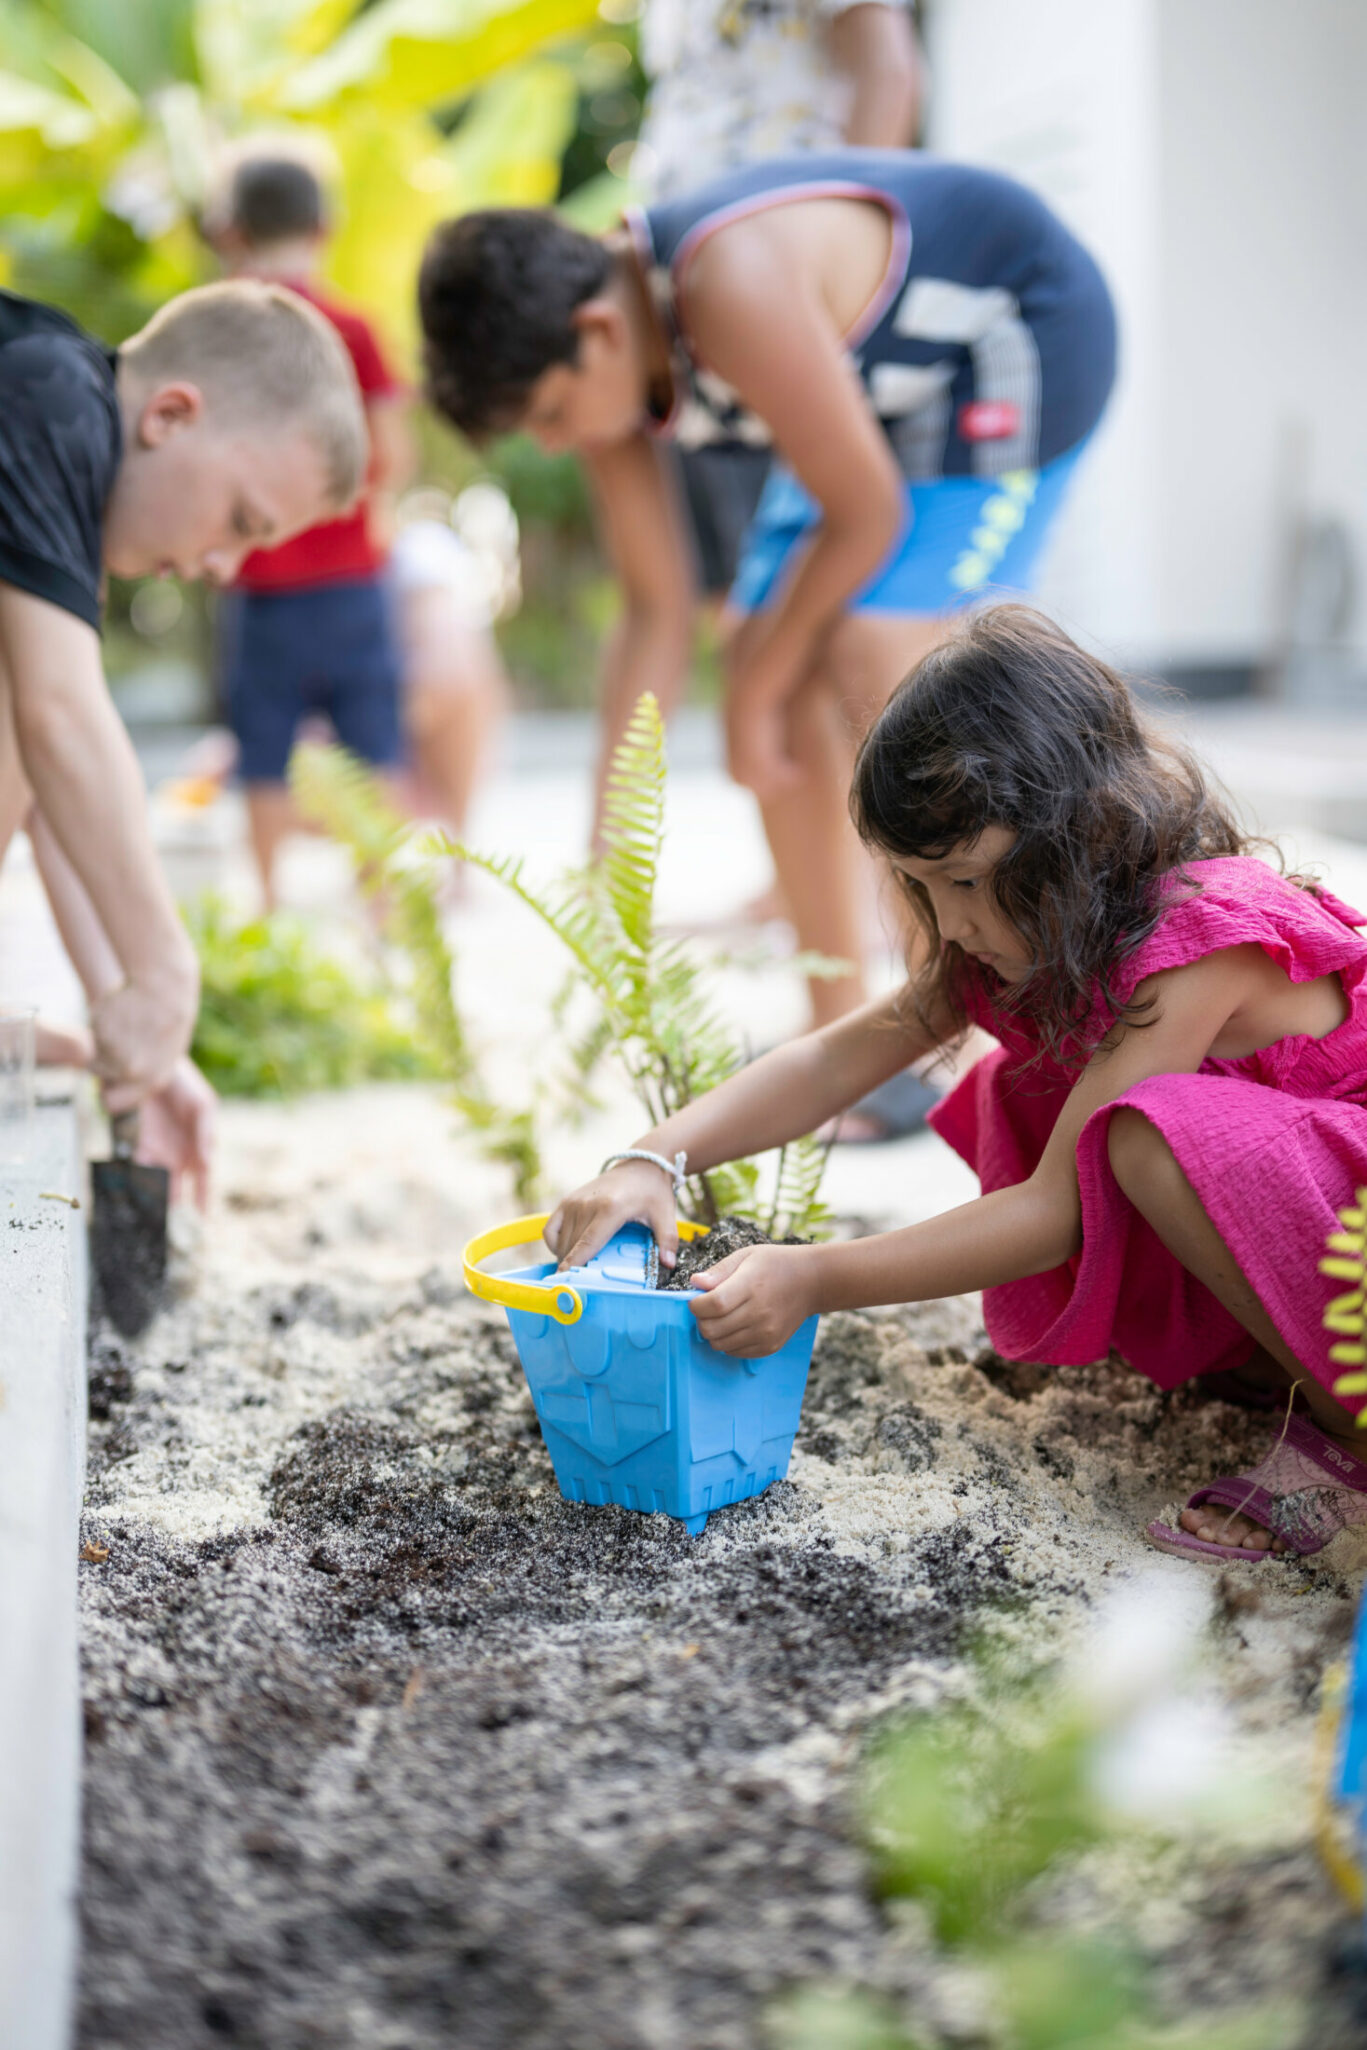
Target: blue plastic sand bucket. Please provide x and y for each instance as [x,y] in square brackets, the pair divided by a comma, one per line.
[635,1406]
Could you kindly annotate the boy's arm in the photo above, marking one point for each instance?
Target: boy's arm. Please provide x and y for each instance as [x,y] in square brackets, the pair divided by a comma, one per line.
[80,765]
[1007,1235]
[875,46]
[777,1098]
[769,334]
[177,1127]
[650,645]
[87,945]
[393,459]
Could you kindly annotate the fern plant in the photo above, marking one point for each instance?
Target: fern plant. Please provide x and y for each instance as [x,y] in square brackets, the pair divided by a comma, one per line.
[651,1006]
[339,793]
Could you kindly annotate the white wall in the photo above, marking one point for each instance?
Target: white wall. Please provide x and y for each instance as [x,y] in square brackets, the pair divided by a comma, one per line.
[1213,155]
[1263,204]
[1061,94]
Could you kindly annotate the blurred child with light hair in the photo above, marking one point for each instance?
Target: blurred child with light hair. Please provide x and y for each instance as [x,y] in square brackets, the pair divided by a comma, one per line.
[231,421]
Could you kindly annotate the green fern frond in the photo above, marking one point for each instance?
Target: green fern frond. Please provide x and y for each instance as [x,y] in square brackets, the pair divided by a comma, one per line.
[339,793]
[796,1206]
[633,825]
[336,791]
[731,1190]
[656,1012]
[571,918]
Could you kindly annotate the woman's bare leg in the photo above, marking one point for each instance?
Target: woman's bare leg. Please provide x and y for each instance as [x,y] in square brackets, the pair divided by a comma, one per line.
[1146,1169]
[271,816]
[822,870]
[817,857]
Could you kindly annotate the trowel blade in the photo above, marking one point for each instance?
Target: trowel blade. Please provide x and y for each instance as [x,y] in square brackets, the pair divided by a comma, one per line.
[128,1210]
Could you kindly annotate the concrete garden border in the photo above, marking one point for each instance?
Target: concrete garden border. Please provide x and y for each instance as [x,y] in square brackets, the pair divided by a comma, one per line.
[42,1471]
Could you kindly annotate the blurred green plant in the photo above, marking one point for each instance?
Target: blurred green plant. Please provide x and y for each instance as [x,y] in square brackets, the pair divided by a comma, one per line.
[965,1811]
[341,795]
[277,1016]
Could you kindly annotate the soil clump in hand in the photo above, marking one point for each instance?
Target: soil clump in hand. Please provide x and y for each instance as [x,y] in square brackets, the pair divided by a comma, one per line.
[728,1235]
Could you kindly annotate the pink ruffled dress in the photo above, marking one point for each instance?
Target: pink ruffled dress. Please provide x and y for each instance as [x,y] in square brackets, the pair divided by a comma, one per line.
[1274,1145]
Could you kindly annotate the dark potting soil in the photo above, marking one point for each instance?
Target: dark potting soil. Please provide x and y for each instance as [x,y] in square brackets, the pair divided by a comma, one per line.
[390,1748]
[729,1235]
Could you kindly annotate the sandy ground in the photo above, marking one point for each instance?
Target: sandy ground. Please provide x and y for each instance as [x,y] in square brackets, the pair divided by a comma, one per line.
[389,1748]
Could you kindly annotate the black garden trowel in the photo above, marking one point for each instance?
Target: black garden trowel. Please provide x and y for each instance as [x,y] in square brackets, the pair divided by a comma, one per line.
[128,1208]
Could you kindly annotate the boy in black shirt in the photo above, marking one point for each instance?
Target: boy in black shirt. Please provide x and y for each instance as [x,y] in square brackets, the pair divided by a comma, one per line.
[232,420]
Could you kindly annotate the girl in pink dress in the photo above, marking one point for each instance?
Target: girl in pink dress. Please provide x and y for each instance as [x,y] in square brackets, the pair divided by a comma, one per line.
[1177,1107]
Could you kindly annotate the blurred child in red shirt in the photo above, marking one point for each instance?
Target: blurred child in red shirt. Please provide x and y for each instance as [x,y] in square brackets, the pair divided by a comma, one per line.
[309,627]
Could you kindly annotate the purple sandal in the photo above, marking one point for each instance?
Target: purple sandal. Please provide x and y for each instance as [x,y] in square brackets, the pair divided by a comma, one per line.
[1305,1492]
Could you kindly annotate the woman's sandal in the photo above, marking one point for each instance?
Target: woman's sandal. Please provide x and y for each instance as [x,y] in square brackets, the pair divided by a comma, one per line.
[1305,1492]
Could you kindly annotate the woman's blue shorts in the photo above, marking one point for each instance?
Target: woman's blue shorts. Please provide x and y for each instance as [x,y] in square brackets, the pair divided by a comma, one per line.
[962,536]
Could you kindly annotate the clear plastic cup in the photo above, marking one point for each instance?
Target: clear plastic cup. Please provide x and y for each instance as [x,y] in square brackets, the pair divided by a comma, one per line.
[17,1034]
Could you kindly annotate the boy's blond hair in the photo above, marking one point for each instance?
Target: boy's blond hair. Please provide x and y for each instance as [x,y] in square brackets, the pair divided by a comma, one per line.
[264,359]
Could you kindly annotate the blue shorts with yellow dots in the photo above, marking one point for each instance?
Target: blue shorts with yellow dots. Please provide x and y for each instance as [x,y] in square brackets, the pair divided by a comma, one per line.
[962,536]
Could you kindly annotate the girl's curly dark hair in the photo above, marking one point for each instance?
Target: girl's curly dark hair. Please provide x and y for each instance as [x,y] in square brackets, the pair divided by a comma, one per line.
[1009,723]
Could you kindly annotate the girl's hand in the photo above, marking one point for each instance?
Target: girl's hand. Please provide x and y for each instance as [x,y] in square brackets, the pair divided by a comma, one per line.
[754,1300]
[633,1192]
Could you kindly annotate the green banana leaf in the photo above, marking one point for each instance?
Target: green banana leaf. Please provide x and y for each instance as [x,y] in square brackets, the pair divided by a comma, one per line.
[424,53]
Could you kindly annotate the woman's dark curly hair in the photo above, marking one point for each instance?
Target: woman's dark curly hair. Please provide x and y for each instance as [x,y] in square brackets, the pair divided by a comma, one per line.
[1009,723]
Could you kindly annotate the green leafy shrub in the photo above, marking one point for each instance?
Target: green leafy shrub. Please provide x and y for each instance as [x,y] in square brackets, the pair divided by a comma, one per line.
[965,1809]
[277,1016]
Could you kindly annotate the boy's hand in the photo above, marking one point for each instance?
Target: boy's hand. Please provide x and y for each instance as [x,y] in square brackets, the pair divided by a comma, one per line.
[177,1131]
[142,1029]
[633,1192]
[62,1046]
[754,1300]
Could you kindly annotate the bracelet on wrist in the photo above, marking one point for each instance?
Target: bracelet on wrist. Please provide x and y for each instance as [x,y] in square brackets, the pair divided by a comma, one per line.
[676,1169]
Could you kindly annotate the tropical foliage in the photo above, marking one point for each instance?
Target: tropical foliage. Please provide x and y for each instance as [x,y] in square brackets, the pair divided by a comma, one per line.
[112,118]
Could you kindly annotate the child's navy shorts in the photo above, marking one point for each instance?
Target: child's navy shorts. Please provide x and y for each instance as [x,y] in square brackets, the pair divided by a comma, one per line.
[332,648]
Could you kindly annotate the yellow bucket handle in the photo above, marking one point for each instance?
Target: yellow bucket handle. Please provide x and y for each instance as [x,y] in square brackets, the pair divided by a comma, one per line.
[542,1298]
